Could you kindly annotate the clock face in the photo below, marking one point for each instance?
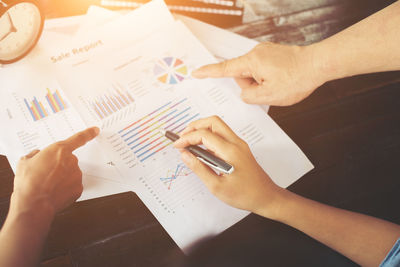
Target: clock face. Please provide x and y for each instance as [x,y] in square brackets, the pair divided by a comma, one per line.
[19,28]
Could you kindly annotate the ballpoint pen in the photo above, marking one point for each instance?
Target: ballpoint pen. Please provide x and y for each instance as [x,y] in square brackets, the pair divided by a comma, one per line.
[202,155]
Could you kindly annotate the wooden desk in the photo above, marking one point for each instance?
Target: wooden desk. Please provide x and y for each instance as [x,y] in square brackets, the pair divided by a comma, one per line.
[350,130]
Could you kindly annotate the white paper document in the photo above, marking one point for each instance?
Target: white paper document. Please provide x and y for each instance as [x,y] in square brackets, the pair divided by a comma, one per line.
[152,76]
[131,76]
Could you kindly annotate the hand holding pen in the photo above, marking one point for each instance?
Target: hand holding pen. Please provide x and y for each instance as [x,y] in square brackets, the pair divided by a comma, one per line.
[203,155]
[248,186]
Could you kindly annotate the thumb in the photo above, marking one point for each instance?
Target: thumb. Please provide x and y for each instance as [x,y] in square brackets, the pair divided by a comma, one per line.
[206,174]
[31,154]
[237,67]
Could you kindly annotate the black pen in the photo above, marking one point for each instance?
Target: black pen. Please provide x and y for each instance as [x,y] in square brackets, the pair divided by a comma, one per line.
[202,154]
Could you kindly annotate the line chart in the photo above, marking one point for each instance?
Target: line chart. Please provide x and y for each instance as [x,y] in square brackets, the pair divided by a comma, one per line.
[180,171]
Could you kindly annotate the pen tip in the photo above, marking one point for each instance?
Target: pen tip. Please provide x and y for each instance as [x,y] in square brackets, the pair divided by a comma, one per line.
[162,131]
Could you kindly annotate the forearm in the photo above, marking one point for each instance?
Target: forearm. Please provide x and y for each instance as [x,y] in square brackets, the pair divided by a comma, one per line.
[23,234]
[363,239]
[372,45]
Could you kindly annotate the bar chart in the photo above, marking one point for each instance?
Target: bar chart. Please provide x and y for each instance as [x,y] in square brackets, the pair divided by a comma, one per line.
[37,109]
[55,101]
[111,102]
[143,136]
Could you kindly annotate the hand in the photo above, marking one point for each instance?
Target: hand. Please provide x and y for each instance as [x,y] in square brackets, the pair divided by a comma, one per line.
[270,74]
[51,178]
[248,187]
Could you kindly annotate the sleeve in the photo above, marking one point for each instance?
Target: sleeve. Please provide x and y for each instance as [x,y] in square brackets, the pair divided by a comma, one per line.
[393,258]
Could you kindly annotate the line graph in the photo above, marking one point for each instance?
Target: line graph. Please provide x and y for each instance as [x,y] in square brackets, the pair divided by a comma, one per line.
[180,171]
[143,136]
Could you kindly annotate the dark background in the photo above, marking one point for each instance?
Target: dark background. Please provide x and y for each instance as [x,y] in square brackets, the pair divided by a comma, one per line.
[349,129]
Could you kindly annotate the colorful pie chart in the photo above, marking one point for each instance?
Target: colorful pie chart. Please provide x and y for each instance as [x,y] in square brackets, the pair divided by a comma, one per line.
[170,70]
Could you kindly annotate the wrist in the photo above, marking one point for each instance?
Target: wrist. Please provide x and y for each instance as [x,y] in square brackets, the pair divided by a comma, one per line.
[36,210]
[272,208]
[324,64]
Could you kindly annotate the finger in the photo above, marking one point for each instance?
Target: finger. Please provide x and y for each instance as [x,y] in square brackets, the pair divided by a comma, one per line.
[216,125]
[73,160]
[31,154]
[188,129]
[254,95]
[208,176]
[246,83]
[211,141]
[237,67]
[81,138]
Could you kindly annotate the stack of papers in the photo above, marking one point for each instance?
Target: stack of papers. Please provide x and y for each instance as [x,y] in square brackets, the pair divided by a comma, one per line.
[130,75]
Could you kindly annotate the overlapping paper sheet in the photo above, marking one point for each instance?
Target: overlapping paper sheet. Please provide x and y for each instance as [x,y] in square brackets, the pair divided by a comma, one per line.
[130,75]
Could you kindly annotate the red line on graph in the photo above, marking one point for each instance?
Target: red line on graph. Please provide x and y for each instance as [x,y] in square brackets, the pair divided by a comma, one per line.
[133,124]
[157,145]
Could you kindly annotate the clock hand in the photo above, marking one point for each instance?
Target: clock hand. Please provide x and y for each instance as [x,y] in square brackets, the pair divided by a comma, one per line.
[5,36]
[12,29]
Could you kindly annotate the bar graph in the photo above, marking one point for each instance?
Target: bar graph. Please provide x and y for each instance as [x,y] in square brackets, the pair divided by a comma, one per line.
[111,102]
[56,102]
[38,111]
[143,136]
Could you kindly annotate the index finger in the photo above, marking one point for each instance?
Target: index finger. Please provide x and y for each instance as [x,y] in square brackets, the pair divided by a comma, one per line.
[216,125]
[81,138]
[236,67]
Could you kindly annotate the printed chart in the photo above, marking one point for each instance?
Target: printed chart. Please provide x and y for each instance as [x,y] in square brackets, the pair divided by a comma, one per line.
[143,137]
[180,171]
[173,185]
[38,111]
[45,119]
[111,102]
[170,70]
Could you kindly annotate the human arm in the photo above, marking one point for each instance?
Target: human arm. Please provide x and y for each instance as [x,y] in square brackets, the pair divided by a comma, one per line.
[45,182]
[283,75]
[364,239]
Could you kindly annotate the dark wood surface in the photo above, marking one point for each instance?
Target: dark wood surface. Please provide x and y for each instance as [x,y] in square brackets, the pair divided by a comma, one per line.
[350,130]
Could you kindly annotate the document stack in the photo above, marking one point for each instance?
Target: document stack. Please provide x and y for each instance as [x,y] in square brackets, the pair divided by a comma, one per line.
[130,75]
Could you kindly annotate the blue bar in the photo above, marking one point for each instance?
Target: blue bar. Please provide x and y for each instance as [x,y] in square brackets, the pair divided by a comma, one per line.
[60,105]
[187,121]
[39,108]
[148,156]
[30,110]
[140,125]
[151,113]
[171,124]
[50,104]
[114,108]
[143,147]
[178,114]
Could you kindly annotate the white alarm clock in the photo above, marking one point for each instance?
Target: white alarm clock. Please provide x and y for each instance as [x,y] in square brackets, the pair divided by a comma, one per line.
[21,24]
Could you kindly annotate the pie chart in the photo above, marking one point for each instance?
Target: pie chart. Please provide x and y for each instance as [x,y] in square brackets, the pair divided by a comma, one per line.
[170,70]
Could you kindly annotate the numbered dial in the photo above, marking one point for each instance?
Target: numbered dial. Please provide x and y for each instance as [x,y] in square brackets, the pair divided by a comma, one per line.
[20,27]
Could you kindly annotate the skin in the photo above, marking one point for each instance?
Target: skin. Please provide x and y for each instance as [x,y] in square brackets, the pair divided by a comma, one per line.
[45,182]
[365,240]
[283,75]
